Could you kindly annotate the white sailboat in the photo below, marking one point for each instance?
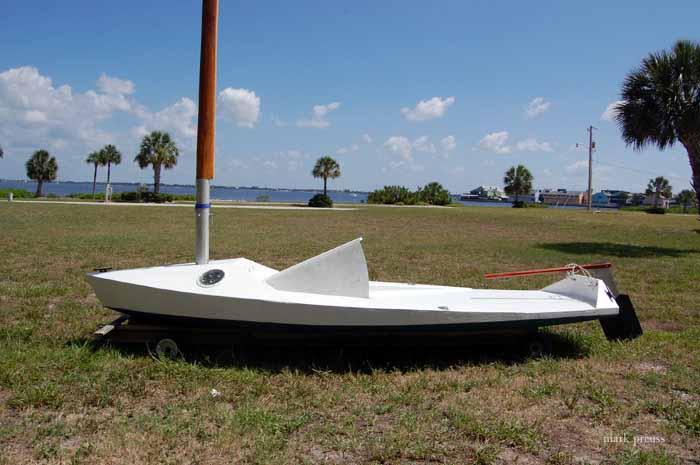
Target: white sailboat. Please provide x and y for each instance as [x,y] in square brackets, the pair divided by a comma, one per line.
[330,291]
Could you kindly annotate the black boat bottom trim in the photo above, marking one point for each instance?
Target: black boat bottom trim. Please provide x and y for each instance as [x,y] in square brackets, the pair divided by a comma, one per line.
[625,325]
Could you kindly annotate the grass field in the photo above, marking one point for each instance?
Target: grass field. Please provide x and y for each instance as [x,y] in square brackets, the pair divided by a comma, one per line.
[63,401]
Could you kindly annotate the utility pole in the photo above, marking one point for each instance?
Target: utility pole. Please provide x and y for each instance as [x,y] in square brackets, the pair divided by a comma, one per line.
[591,146]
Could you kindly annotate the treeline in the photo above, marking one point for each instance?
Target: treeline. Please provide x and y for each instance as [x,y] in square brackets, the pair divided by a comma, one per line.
[430,194]
[133,197]
[136,197]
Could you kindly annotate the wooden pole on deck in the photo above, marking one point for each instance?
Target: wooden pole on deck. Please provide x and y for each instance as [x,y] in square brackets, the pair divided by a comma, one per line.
[207,90]
[206,126]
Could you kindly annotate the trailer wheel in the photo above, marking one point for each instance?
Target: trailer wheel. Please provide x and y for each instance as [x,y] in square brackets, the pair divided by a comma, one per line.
[539,346]
[167,348]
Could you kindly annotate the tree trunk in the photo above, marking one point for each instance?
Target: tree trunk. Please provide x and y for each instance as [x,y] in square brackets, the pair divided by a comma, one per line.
[94,182]
[156,179]
[325,183]
[692,146]
[39,186]
[694,157]
[109,169]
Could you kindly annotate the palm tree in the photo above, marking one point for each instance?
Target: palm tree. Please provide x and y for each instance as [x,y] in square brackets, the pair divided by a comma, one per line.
[518,180]
[660,104]
[111,155]
[41,167]
[160,151]
[95,158]
[685,198]
[325,168]
[659,187]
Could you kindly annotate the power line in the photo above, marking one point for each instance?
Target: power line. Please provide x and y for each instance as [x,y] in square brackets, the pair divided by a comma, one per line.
[651,173]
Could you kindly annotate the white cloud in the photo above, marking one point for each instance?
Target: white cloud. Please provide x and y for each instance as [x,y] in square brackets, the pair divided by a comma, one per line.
[318,116]
[35,113]
[400,145]
[366,138]
[295,154]
[178,118]
[577,166]
[496,142]
[270,164]
[278,122]
[346,150]
[235,163]
[609,113]
[537,106]
[533,145]
[112,85]
[404,148]
[423,144]
[448,143]
[241,106]
[428,109]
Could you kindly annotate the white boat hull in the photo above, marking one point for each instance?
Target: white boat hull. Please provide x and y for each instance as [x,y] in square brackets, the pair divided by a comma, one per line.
[252,294]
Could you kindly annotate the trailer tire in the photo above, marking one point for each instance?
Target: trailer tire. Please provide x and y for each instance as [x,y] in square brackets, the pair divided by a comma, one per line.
[167,349]
[539,346]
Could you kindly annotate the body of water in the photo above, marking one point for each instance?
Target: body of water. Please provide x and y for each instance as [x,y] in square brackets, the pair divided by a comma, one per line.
[63,189]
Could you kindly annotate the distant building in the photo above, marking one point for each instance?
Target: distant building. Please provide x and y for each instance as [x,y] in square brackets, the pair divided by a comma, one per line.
[562,197]
[490,193]
[651,199]
[615,198]
[637,199]
[532,197]
[602,199]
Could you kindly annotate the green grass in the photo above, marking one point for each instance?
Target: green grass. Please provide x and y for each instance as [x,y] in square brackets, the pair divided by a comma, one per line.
[63,401]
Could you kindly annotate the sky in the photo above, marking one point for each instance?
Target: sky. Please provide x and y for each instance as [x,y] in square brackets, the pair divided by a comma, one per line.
[398,92]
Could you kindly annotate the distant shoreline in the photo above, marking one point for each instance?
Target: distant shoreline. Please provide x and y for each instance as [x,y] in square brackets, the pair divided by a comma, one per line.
[192,186]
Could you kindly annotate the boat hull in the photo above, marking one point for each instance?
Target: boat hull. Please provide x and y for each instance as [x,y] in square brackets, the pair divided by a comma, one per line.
[256,327]
[244,299]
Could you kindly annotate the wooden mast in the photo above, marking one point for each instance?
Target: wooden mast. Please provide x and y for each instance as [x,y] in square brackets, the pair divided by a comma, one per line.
[206,126]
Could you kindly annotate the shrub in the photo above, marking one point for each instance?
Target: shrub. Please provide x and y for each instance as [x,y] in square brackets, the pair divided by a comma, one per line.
[656,210]
[16,193]
[130,197]
[320,201]
[434,194]
[152,197]
[84,196]
[147,197]
[519,204]
[392,195]
[189,197]
[430,194]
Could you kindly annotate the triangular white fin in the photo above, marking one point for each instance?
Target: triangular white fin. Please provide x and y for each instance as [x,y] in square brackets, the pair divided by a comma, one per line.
[341,271]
